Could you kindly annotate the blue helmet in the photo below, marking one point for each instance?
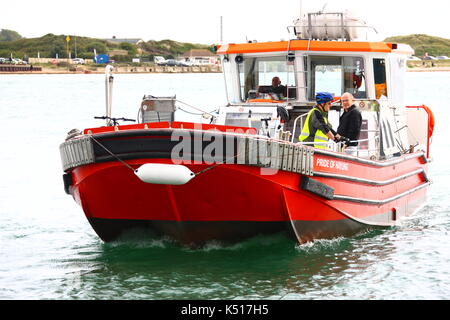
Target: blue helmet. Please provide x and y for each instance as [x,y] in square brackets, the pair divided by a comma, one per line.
[323,97]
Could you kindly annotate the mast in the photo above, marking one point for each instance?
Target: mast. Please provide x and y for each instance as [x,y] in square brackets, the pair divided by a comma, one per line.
[301,4]
[221,30]
[108,91]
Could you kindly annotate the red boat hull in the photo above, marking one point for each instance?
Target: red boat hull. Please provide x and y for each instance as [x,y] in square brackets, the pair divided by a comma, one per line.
[231,202]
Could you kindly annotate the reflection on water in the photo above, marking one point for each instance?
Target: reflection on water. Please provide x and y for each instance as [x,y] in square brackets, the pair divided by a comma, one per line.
[373,265]
[259,268]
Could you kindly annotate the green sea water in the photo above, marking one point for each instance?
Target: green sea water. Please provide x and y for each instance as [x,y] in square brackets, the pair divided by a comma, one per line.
[49,251]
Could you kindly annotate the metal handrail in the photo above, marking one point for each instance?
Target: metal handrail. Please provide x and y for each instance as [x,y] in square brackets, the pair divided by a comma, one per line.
[340,143]
[295,125]
[308,23]
[362,140]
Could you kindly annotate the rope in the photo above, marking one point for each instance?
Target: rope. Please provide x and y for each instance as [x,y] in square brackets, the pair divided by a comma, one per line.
[198,109]
[220,163]
[215,165]
[209,168]
[197,173]
[131,168]
[196,114]
[112,154]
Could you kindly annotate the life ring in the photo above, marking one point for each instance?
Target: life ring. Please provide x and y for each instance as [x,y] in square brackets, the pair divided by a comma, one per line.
[430,120]
[357,81]
[265,100]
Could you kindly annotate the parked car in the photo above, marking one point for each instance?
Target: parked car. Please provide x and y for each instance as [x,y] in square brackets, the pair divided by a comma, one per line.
[442,58]
[160,61]
[413,58]
[17,61]
[2,60]
[429,58]
[171,62]
[184,63]
[78,61]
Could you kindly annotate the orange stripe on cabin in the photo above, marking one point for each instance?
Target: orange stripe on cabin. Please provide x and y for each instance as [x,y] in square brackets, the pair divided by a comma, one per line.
[305,45]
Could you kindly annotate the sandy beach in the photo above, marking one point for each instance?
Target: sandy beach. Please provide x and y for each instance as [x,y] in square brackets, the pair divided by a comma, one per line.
[430,69]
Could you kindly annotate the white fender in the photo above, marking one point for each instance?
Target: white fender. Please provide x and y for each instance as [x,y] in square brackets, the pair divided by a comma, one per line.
[159,173]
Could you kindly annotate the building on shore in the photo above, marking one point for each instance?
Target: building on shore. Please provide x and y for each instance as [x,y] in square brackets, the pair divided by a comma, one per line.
[134,41]
[201,57]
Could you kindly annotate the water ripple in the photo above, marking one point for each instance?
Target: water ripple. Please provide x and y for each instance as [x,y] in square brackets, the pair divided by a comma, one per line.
[49,250]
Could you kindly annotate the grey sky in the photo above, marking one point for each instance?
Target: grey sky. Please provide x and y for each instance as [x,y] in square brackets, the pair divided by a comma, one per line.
[199,21]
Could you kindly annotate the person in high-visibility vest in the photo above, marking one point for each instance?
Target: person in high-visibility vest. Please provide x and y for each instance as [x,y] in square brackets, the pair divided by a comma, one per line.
[316,128]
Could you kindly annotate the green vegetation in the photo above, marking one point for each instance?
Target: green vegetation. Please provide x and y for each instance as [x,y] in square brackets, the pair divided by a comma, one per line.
[169,48]
[9,35]
[50,45]
[422,43]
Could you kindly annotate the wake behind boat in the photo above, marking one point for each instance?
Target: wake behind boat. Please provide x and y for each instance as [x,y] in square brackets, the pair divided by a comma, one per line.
[246,172]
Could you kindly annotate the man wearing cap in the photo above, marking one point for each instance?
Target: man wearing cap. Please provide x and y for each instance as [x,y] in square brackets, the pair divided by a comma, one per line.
[316,128]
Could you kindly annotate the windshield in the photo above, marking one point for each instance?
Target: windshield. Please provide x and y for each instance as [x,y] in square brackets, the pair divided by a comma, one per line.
[337,75]
[267,78]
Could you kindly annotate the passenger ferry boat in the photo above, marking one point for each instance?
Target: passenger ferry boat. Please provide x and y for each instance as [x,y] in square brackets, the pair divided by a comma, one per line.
[241,171]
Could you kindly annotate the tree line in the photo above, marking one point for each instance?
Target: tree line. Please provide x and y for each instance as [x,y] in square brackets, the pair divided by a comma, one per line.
[51,45]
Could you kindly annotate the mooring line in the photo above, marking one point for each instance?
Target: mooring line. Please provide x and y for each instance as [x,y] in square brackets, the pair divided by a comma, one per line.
[112,154]
[196,174]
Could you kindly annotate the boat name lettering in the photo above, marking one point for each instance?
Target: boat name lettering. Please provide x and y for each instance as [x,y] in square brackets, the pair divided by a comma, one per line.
[332,164]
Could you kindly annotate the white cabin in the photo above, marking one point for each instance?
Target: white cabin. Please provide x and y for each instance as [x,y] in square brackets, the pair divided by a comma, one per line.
[372,71]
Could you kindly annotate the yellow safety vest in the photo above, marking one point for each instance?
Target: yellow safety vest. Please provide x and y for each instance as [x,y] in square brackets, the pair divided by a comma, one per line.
[319,135]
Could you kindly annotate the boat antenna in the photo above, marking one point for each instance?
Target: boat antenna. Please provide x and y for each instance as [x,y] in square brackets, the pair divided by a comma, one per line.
[221,30]
[301,5]
[108,92]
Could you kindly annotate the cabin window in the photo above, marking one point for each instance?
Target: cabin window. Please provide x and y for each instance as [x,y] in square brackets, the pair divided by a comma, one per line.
[379,71]
[256,74]
[354,77]
[228,74]
[337,75]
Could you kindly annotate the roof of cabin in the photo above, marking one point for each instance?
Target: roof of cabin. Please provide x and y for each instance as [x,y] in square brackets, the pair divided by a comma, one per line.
[305,45]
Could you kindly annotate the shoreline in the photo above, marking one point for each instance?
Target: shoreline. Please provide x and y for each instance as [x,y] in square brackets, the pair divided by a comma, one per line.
[430,69]
[122,70]
[177,70]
